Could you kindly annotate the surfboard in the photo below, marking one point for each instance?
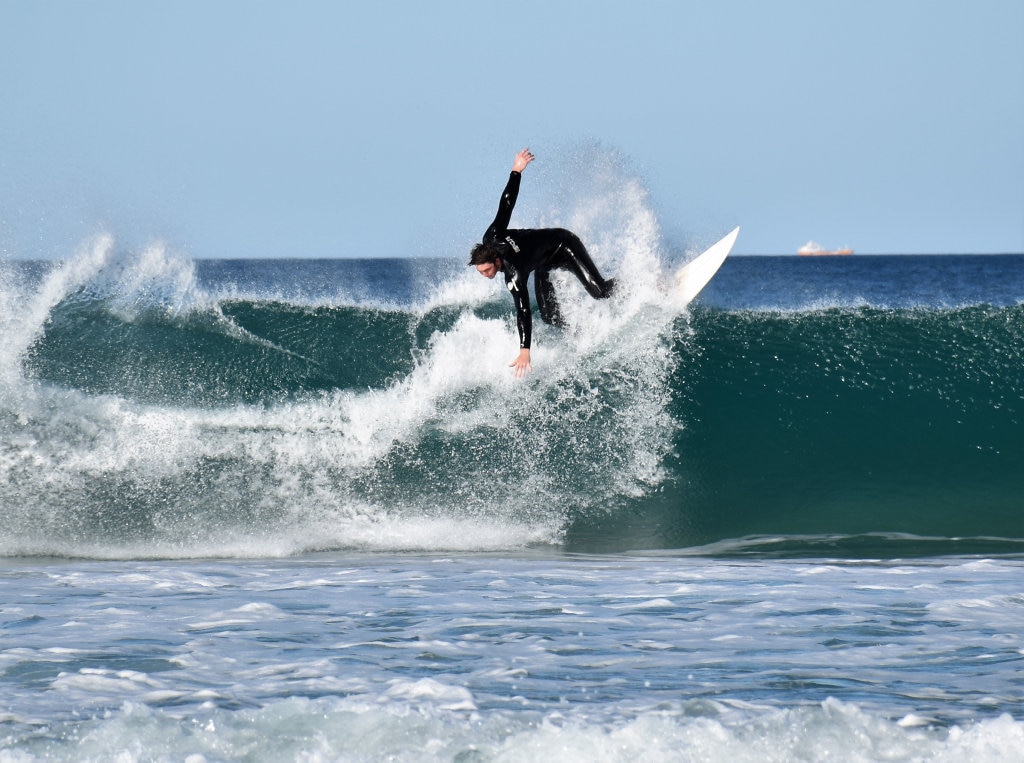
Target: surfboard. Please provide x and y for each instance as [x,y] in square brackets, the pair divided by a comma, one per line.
[694,276]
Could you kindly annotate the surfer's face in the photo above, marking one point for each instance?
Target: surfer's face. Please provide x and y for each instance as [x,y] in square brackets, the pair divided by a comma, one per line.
[489,269]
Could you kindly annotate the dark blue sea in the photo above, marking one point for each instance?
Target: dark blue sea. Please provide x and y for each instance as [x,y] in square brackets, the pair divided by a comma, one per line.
[269,510]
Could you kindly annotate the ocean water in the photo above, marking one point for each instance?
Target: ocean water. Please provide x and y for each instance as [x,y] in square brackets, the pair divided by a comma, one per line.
[301,510]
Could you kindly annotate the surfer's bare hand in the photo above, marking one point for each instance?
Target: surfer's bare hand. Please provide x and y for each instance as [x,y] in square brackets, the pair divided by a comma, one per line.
[521,365]
[523,158]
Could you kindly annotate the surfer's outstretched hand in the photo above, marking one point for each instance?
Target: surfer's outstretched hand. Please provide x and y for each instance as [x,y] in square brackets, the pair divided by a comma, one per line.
[521,365]
[523,158]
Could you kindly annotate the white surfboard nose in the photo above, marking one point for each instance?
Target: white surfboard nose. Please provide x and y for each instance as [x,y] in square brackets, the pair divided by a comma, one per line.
[694,276]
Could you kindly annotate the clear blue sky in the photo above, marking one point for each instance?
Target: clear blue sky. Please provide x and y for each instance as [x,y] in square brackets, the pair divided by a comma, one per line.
[243,128]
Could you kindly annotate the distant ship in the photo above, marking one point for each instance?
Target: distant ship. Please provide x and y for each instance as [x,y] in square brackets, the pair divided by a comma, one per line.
[811,249]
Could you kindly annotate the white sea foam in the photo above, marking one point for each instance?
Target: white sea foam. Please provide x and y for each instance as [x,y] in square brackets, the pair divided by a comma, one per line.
[427,721]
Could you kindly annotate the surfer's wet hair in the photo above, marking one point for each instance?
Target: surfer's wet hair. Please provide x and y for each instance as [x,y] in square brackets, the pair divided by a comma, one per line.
[485,253]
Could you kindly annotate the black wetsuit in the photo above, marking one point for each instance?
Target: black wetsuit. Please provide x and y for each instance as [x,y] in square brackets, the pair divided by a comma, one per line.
[539,251]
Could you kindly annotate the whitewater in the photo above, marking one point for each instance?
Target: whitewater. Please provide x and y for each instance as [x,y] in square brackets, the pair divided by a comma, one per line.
[301,510]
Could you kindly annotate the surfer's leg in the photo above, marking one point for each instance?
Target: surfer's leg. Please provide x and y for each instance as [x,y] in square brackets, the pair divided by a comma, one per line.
[546,301]
[574,256]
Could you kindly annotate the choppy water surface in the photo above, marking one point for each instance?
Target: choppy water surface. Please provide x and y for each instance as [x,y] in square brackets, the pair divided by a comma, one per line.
[436,657]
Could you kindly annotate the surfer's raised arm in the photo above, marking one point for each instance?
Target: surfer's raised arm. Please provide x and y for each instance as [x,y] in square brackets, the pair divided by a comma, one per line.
[496,231]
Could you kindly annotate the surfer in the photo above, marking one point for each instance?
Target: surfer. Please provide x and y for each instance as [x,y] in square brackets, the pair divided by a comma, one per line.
[518,252]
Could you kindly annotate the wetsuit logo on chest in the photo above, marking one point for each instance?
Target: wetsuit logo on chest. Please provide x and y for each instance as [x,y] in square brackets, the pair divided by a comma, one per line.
[511,278]
[515,247]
